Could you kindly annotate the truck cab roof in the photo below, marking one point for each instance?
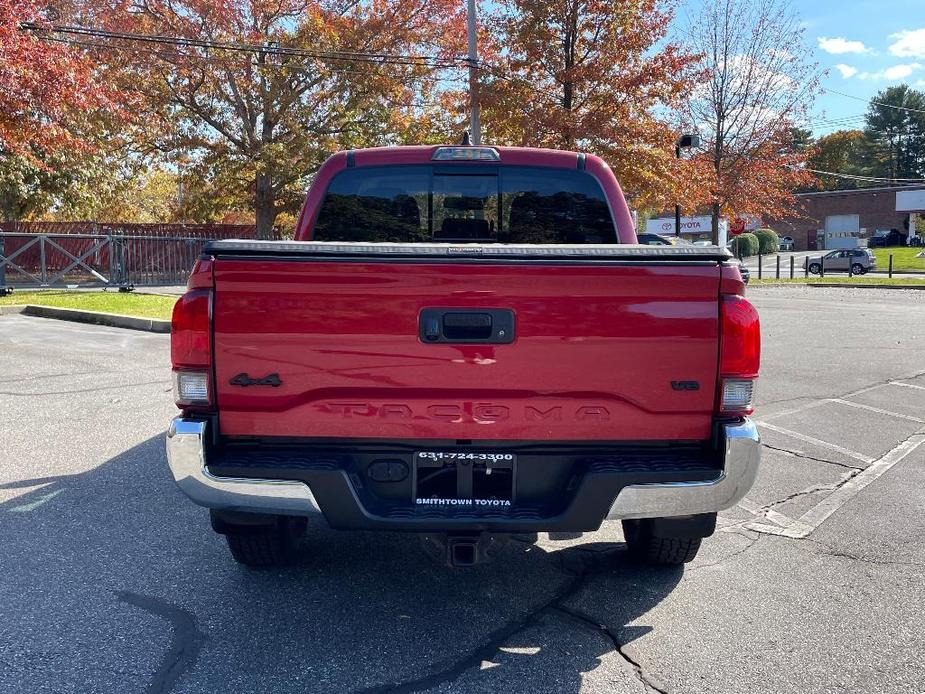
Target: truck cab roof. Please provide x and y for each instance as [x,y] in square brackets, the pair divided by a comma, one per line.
[460,157]
[425,154]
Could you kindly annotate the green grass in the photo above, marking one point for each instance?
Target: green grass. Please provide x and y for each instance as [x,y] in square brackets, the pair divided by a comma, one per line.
[903,258]
[141,305]
[897,281]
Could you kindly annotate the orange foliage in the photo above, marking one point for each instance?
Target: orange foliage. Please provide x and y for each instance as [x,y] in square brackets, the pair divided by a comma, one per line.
[592,75]
[43,86]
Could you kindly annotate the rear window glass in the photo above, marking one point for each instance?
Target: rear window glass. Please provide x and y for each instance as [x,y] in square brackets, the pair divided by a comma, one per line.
[505,205]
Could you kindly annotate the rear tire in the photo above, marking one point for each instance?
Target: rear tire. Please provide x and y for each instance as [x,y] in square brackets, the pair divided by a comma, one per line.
[646,548]
[857,269]
[263,547]
[814,269]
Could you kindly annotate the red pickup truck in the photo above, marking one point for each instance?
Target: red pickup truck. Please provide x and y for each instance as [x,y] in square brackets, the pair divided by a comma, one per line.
[465,342]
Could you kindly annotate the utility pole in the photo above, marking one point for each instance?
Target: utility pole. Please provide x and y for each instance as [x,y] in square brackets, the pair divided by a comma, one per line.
[475,126]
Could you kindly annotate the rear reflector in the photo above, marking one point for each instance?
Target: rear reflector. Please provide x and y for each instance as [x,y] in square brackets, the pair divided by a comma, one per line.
[191,387]
[466,154]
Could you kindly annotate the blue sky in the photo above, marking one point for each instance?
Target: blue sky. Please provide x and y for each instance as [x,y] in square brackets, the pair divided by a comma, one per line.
[866,46]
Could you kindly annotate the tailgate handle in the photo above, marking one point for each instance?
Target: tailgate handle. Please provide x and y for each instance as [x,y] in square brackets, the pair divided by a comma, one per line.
[467,326]
[479,326]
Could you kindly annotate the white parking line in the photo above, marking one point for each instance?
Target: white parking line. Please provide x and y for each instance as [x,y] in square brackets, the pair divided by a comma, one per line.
[794,410]
[907,385]
[769,513]
[877,410]
[867,389]
[815,516]
[816,442]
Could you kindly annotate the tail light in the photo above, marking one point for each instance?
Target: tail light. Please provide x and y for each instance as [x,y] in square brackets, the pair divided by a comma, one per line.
[191,349]
[739,355]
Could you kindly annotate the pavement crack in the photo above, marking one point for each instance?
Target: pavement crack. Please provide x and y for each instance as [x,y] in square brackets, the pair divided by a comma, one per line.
[593,624]
[806,456]
[185,643]
[752,541]
[81,391]
[832,552]
[575,564]
[816,488]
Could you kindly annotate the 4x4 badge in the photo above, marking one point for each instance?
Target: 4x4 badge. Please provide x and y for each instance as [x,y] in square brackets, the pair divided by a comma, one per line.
[244,380]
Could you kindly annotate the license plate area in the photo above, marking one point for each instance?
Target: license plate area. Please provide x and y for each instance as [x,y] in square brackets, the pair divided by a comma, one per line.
[473,479]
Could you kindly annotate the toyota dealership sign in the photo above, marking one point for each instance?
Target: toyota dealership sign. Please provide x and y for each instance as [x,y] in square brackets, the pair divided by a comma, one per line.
[689,226]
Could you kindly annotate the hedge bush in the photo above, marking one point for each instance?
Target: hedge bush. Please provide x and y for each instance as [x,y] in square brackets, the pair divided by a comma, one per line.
[744,245]
[768,241]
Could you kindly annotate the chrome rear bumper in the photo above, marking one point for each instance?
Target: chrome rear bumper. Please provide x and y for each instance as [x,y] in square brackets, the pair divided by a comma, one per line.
[741,456]
[186,454]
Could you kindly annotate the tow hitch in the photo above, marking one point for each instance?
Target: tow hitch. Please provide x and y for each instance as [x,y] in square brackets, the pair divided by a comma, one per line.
[463,549]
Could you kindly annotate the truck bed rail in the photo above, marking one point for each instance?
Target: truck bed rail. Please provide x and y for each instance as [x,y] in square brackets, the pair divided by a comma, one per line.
[491,251]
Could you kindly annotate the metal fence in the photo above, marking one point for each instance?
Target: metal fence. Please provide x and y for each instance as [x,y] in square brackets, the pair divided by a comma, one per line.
[95,260]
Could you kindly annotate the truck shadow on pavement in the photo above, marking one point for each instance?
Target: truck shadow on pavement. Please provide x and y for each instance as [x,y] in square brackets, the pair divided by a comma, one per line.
[120,550]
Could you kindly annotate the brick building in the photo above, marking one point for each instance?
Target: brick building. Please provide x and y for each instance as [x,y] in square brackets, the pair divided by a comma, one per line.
[858,212]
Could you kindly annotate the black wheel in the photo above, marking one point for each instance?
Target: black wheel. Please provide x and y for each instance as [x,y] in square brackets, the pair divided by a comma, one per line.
[646,548]
[857,269]
[814,268]
[266,546]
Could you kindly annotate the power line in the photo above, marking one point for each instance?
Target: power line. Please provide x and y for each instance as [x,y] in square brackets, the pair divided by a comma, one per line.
[869,179]
[214,61]
[877,103]
[844,119]
[269,49]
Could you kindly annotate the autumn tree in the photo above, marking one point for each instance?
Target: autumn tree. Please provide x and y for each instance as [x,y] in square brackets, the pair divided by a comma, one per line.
[757,86]
[44,87]
[596,76]
[841,152]
[259,92]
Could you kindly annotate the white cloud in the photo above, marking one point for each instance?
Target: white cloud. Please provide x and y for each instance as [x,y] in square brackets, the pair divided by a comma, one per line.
[899,72]
[894,73]
[909,44]
[838,46]
[846,71]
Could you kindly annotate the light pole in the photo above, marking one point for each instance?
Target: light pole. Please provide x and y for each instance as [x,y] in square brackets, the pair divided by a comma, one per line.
[684,142]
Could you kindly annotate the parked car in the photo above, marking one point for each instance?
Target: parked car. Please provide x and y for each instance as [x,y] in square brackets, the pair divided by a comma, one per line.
[860,260]
[785,243]
[744,271]
[461,358]
[703,242]
[652,240]
[883,238]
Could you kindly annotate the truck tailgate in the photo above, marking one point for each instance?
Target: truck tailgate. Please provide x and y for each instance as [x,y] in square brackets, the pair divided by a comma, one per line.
[601,351]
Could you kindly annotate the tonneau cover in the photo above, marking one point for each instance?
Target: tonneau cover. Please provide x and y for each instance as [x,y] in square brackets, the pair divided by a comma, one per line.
[497,251]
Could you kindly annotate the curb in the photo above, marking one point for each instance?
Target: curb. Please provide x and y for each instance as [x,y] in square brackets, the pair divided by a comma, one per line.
[864,286]
[112,320]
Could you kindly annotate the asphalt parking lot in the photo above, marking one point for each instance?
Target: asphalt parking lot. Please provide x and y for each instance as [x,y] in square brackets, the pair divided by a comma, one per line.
[113,582]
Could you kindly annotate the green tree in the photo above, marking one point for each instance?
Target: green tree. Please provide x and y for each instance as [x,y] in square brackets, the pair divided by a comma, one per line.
[34,181]
[895,130]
